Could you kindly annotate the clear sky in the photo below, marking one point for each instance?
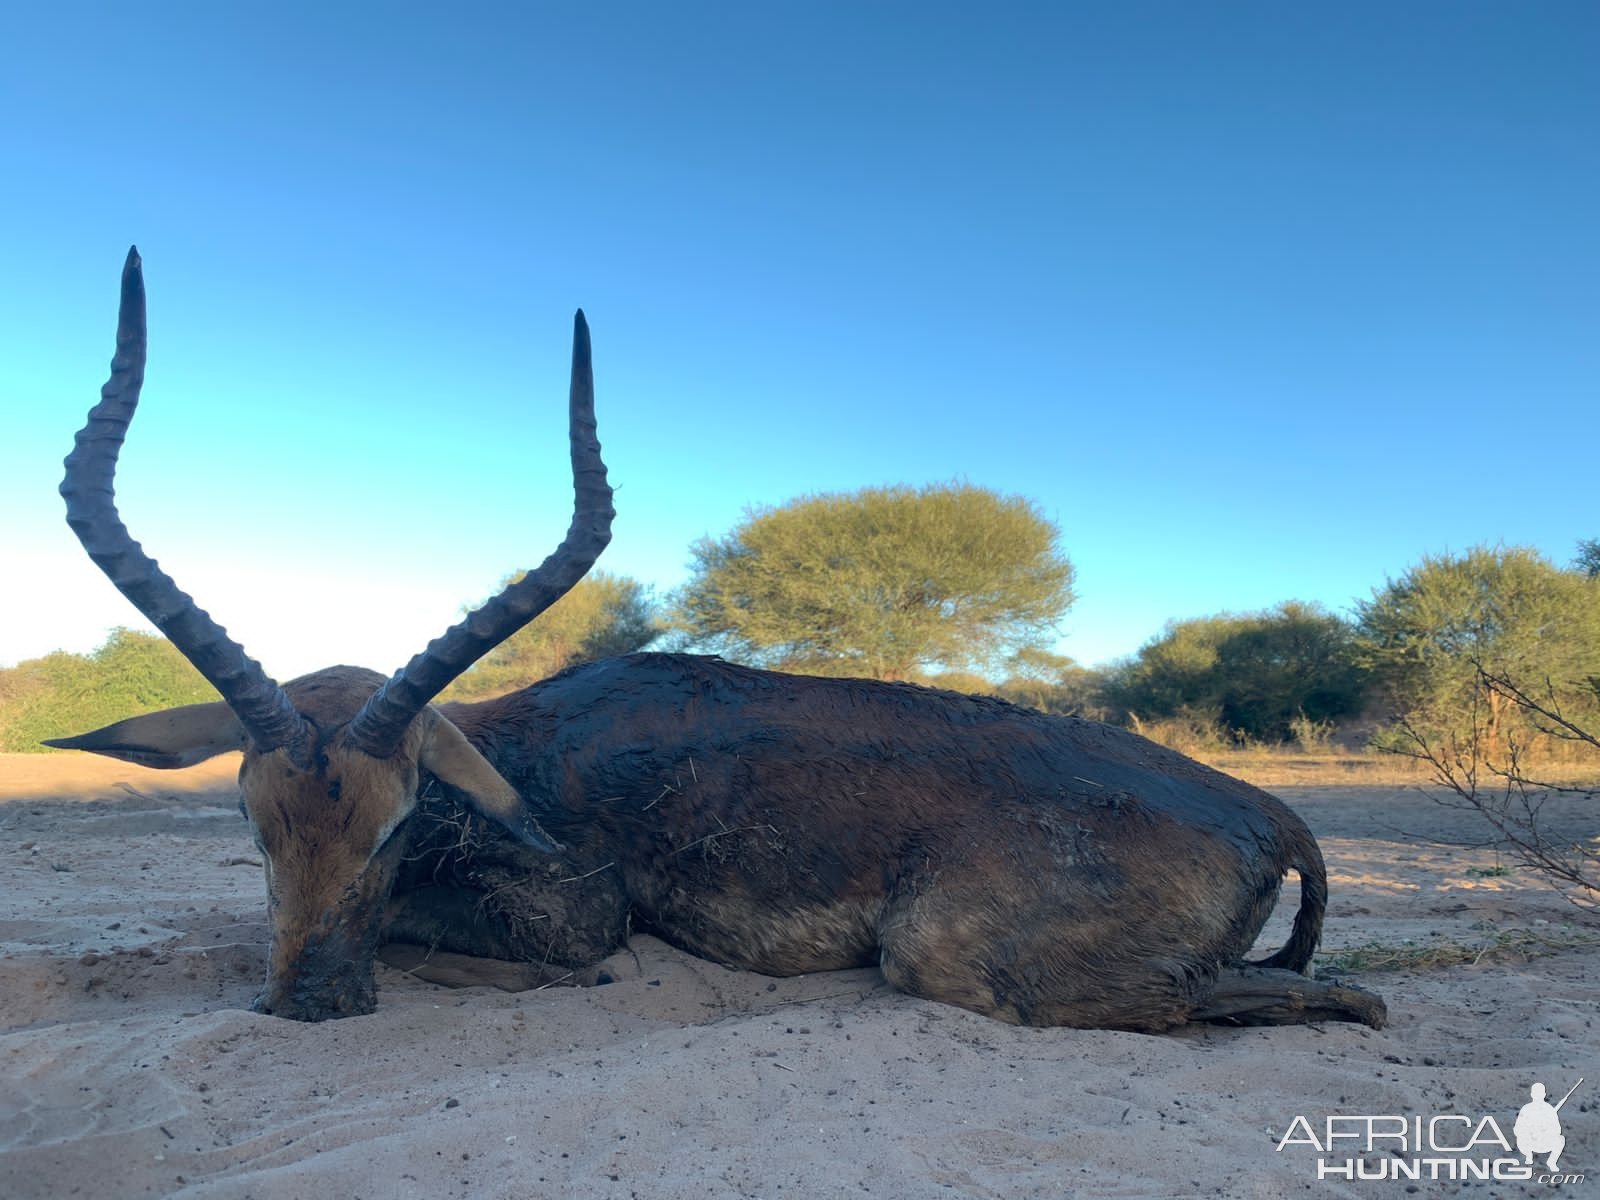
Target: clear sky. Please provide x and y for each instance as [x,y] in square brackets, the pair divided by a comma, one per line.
[1258,301]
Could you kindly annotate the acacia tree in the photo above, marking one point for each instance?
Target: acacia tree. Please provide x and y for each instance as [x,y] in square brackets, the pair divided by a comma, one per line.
[1253,672]
[1433,635]
[1508,652]
[882,582]
[603,615]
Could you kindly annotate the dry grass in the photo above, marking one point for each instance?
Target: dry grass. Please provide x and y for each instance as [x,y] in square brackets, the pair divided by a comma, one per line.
[1270,768]
[1505,945]
[1326,756]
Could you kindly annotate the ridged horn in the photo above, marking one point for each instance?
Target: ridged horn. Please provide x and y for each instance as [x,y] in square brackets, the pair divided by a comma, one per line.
[382,721]
[89,490]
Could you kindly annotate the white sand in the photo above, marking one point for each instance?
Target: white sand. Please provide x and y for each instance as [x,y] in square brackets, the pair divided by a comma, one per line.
[133,939]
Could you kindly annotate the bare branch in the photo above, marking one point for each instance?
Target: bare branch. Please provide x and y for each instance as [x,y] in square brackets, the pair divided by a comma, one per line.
[1475,777]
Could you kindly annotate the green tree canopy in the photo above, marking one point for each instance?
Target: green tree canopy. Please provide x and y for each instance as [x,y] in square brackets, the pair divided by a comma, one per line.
[604,615]
[1254,672]
[1053,683]
[883,582]
[1508,610]
[1588,560]
[62,694]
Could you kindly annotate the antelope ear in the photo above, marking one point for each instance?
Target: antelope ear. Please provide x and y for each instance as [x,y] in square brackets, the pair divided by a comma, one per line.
[172,738]
[447,754]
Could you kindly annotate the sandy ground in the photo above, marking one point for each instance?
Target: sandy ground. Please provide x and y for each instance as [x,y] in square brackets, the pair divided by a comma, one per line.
[133,939]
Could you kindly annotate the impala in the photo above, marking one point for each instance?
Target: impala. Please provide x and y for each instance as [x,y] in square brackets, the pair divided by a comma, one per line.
[1040,869]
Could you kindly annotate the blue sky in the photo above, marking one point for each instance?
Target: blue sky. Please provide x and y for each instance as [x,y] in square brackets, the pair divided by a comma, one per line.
[1257,301]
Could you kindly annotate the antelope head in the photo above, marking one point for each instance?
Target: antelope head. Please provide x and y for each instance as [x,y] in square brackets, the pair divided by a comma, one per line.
[333,761]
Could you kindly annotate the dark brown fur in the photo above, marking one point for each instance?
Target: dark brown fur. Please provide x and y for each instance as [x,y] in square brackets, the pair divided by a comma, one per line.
[1039,869]
[1043,870]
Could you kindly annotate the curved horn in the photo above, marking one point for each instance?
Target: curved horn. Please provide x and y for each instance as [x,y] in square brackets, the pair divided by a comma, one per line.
[89,490]
[379,725]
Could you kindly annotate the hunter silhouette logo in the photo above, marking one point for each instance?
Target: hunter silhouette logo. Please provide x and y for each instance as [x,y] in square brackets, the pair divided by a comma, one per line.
[1538,1129]
[1443,1146]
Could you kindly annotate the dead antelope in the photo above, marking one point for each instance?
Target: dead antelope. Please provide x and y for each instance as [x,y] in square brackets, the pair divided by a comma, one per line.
[1042,870]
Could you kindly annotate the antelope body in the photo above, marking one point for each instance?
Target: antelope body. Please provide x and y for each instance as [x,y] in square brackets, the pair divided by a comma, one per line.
[1039,869]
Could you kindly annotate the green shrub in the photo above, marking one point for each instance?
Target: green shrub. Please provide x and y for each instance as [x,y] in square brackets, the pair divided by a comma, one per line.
[1254,672]
[63,693]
